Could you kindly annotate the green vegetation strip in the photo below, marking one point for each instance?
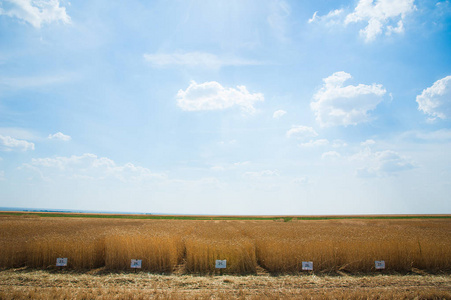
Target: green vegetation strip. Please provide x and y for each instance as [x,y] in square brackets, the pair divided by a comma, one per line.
[160,217]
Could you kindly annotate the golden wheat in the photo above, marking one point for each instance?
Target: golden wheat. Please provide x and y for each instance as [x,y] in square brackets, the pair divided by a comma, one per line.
[193,246]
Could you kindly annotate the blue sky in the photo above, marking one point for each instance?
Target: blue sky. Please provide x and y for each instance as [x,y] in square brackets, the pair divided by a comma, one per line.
[226,107]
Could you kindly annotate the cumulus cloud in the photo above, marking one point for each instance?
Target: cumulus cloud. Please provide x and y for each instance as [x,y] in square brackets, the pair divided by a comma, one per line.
[36,12]
[195,59]
[301,132]
[315,143]
[436,100]
[380,16]
[59,136]
[278,114]
[91,167]
[213,96]
[381,163]
[335,104]
[8,143]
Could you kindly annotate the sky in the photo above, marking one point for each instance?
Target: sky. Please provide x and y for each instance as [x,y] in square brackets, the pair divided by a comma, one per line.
[256,107]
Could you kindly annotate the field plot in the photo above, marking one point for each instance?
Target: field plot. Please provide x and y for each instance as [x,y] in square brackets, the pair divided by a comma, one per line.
[252,246]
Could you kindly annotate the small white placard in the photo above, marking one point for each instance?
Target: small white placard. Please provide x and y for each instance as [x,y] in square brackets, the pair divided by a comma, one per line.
[221,264]
[61,262]
[380,264]
[136,264]
[307,265]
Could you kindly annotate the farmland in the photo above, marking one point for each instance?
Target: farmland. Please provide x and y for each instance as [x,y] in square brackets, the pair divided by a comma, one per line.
[181,249]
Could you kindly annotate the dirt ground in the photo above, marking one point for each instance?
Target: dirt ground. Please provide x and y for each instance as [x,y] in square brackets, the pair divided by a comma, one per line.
[98,284]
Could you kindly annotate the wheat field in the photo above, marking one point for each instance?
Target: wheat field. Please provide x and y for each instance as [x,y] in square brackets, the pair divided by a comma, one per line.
[187,246]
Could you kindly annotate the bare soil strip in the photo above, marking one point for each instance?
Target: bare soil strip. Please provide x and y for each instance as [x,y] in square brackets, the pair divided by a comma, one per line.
[97,284]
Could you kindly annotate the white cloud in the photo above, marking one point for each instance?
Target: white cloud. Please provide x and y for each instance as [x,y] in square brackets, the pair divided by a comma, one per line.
[213,96]
[229,166]
[59,136]
[382,163]
[301,132]
[332,18]
[278,114]
[8,143]
[380,16]
[36,12]
[335,104]
[301,180]
[436,100]
[227,143]
[261,174]
[330,155]
[195,59]
[315,143]
[438,135]
[368,143]
[89,166]
[339,144]
[33,81]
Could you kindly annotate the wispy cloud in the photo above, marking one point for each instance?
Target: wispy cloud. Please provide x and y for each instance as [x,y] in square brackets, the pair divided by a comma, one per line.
[301,132]
[36,12]
[213,96]
[315,143]
[335,104]
[261,174]
[32,81]
[195,60]
[278,19]
[89,167]
[278,114]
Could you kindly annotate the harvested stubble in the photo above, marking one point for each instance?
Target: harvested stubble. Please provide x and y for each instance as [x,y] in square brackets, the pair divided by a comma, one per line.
[193,246]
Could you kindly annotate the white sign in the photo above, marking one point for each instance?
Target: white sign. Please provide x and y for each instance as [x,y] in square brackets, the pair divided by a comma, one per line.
[221,264]
[61,262]
[136,263]
[307,265]
[380,264]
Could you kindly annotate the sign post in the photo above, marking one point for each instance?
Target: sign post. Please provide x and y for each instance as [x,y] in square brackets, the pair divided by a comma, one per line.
[307,265]
[379,264]
[61,262]
[136,264]
[221,264]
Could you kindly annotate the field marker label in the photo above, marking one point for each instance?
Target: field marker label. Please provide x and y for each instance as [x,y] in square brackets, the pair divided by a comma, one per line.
[136,264]
[61,262]
[307,265]
[221,264]
[380,264]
